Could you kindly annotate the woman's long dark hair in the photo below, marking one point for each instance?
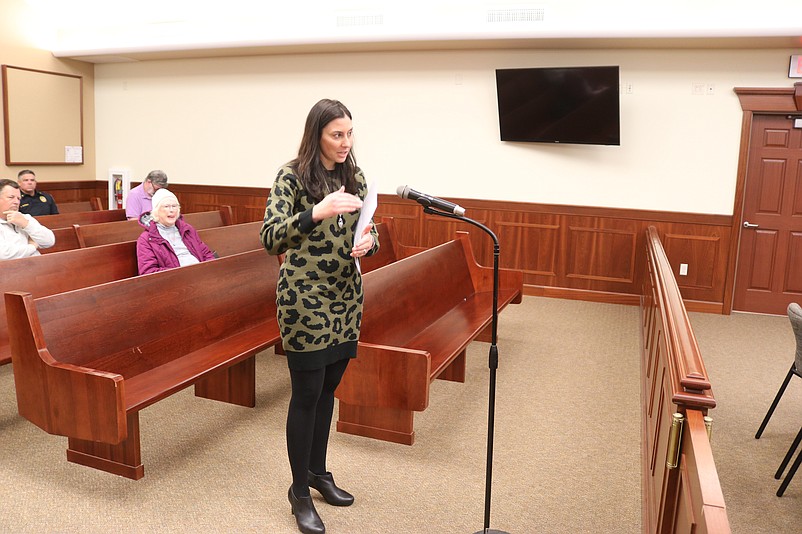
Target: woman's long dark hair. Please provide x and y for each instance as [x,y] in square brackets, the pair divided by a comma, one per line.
[318,181]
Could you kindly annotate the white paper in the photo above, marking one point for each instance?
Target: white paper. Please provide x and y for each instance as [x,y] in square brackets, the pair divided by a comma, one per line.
[368,209]
[73,154]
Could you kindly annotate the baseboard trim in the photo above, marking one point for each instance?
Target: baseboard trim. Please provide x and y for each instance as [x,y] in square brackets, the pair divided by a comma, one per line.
[613,298]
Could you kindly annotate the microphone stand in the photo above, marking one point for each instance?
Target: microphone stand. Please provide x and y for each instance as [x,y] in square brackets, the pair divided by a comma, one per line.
[492,363]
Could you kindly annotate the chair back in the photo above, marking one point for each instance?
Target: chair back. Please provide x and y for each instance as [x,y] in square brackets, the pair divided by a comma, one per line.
[795,315]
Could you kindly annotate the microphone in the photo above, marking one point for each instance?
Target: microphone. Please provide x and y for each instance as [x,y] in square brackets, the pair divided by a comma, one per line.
[404,191]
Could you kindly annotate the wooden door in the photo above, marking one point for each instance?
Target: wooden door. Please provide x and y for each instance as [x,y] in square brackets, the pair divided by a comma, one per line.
[769,268]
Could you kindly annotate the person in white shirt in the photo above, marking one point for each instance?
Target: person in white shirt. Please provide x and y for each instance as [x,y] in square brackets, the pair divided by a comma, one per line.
[20,234]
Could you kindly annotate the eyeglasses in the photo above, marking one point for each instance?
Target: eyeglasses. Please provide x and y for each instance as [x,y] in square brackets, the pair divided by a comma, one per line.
[171,206]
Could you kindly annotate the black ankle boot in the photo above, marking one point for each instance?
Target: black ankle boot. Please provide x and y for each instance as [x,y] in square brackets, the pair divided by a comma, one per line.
[305,514]
[331,493]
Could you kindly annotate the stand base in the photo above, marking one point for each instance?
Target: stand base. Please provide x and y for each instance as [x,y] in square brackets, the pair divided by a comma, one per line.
[491,531]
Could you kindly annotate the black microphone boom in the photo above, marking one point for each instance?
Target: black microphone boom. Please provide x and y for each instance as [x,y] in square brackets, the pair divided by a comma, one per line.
[404,191]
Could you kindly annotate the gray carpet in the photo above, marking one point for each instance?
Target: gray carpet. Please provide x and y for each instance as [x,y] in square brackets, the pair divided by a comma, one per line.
[747,356]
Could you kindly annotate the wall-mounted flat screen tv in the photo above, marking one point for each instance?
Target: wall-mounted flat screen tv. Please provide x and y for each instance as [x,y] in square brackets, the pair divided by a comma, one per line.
[578,105]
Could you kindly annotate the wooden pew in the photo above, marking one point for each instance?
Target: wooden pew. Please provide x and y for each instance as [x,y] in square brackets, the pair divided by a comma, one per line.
[66,220]
[115,232]
[87,361]
[419,315]
[56,273]
[390,250]
[686,496]
[93,204]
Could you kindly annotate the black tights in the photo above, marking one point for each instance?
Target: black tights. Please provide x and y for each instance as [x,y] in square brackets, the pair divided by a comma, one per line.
[309,421]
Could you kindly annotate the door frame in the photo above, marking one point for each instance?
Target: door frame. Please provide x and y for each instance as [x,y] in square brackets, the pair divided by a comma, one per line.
[753,100]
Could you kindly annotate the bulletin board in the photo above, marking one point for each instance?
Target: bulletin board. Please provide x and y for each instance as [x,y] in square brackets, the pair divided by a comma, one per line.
[42,117]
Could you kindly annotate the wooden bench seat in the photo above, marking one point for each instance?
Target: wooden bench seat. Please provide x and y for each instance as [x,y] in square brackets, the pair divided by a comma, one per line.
[56,273]
[87,361]
[419,315]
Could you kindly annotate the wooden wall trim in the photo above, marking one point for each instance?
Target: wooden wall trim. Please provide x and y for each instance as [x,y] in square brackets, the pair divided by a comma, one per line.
[578,252]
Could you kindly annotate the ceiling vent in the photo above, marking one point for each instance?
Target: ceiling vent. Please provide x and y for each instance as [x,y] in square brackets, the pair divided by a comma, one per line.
[529,14]
[361,19]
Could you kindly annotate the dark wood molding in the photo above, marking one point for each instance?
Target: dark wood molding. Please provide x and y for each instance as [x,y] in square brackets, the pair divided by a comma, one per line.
[798,95]
[576,252]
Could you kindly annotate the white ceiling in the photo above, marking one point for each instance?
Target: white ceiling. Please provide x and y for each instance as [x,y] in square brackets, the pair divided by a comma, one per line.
[103,31]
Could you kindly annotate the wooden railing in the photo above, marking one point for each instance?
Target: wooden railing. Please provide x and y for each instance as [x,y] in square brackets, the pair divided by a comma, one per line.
[681,490]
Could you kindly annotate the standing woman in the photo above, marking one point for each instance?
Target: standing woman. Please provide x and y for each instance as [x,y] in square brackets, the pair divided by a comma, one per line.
[311,217]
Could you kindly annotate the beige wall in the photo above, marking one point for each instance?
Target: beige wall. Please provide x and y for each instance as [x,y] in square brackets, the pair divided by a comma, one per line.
[429,119]
[20,46]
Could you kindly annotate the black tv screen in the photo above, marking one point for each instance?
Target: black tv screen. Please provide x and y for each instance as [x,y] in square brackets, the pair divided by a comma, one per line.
[577,105]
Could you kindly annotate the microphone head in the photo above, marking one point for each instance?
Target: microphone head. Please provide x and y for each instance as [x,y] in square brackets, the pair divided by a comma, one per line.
[402,191]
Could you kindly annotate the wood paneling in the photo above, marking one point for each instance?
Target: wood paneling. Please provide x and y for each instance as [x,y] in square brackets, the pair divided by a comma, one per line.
[577,252]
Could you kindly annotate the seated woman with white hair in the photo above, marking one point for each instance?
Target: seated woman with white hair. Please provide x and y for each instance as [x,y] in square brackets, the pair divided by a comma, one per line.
[169,242]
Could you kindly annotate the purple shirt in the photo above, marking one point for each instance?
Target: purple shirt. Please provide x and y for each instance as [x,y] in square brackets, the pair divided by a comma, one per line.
[138,202]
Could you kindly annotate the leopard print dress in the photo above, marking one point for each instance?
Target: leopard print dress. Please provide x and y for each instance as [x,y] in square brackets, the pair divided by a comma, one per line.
[319,292]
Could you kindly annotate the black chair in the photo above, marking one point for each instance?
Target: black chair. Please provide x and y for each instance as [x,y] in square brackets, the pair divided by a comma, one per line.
[795,316]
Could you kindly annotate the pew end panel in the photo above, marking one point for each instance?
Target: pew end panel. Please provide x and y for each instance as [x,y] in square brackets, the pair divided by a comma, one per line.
[388,377]
[97,410]
[381,392]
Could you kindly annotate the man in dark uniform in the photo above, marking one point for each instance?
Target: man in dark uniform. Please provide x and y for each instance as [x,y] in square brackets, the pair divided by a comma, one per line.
[34,202]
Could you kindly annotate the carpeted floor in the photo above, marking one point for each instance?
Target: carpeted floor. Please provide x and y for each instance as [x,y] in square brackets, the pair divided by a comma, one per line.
[567,454]
[747,356]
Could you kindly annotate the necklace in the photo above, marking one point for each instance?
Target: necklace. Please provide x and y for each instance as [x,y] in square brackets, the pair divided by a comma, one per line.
[340,218]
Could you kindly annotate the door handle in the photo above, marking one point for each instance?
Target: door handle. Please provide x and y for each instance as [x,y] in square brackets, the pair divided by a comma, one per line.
[747,224]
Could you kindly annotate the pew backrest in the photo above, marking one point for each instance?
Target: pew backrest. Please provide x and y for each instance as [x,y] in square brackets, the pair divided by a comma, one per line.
[56,273]
[158,316]
[90,266]
[232,239]
[66,220]
[129,230]
[66,239]
[93,204]
[421,291]
[390,249]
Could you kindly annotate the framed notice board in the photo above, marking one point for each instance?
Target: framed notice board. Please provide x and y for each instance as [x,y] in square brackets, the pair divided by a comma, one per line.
[42,117]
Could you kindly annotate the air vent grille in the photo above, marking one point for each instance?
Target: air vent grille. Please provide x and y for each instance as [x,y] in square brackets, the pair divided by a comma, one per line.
[375,19]
[534,14]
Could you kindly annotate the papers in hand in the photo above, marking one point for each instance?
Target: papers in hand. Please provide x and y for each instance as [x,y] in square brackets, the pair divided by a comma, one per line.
[365,216]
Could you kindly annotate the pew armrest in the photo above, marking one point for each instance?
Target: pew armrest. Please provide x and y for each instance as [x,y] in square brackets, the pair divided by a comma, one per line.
[387,377]
[61,398]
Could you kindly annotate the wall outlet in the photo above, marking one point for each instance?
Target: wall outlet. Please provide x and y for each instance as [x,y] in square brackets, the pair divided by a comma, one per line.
[683,269]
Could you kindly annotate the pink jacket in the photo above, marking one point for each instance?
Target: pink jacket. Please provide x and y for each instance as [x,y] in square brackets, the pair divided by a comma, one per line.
[154,253]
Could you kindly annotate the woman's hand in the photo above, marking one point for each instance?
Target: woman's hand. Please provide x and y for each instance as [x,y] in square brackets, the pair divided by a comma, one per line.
[364,244]
[335,203]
